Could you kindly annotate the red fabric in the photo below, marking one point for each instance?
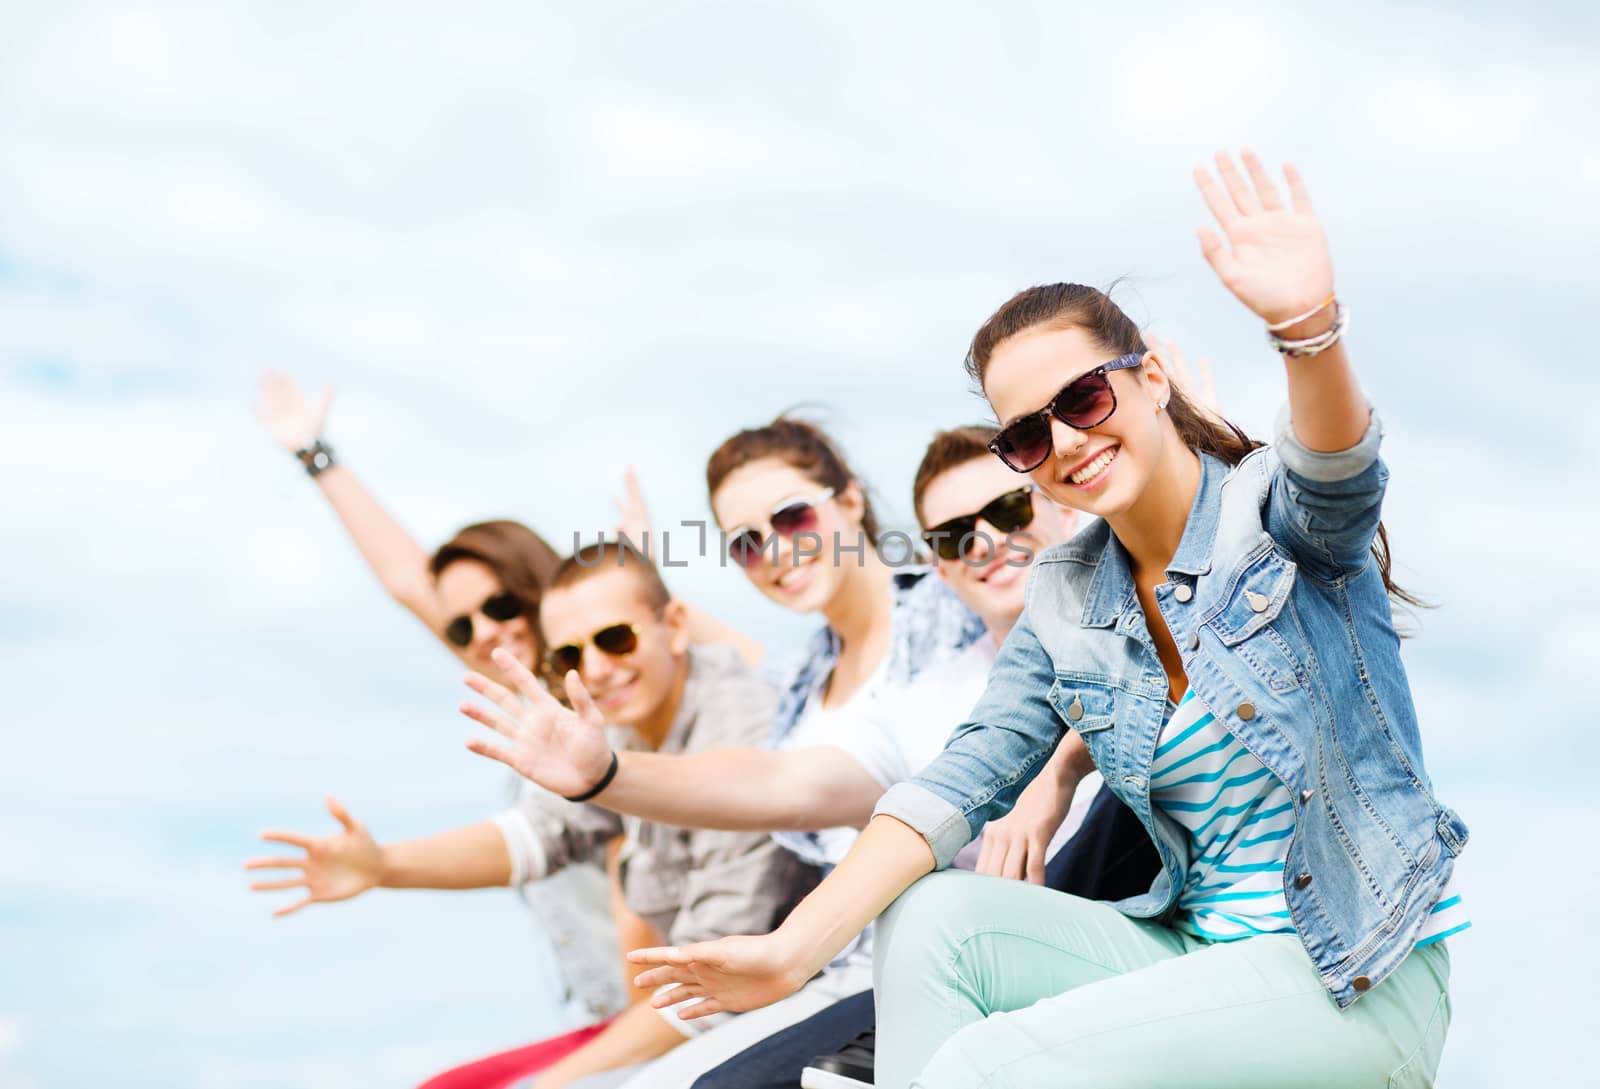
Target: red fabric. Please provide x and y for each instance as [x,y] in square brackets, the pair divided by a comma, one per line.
[499,1071]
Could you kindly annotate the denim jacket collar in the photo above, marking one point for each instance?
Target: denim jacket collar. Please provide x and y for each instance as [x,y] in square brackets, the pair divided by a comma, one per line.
[1111,589]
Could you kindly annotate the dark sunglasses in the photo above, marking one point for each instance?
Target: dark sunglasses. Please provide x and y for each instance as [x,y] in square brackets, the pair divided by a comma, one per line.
[499,607]
[616,640]
[1085,402]
[794,515]
[953,538]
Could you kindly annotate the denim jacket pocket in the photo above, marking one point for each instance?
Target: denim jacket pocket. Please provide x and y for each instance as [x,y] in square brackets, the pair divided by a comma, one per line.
[1086,706]
[1243,616]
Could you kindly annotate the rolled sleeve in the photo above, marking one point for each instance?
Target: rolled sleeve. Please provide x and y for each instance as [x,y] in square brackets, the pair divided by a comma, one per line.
[1326,504]
[1327,466]
[544,833]
[529,861]
[943,825]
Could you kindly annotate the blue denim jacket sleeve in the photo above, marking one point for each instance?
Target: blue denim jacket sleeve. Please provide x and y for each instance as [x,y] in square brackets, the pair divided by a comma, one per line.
[989,759]
[1326,506]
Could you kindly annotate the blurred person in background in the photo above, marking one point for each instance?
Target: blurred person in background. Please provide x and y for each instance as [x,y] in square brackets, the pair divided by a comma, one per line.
[481,591]
[830,761]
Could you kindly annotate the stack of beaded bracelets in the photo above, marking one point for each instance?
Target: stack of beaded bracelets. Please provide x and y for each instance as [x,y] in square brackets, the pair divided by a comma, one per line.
[1299,349]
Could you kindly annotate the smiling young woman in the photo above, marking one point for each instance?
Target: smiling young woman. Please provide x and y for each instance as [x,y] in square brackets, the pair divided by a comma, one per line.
[1223,641]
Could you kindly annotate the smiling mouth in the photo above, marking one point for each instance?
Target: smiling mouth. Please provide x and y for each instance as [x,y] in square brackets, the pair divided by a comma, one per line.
[793,575]
[1089,470]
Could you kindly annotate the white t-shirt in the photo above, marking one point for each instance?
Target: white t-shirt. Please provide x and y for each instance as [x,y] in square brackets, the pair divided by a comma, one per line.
[895,730]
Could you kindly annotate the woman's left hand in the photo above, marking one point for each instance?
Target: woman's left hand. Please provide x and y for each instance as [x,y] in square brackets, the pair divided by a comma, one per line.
[1275,259]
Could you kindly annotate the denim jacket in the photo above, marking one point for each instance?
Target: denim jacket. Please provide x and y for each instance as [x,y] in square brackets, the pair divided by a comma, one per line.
[1285,630]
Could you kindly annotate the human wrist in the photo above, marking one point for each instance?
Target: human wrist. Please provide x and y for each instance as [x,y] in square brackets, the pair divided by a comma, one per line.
[602,778]
[316,457]
[1313,326]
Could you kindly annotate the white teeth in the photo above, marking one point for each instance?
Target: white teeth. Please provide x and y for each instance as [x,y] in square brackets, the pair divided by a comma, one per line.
[789,576]
[1095,467]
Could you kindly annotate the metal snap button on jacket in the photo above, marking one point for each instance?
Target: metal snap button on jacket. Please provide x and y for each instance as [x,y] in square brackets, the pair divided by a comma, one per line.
[1361,983]
[1193,641]
[1305,796]
[1075,712]
[1302,881]
[1258,602]
[1246,711]
[1184,592]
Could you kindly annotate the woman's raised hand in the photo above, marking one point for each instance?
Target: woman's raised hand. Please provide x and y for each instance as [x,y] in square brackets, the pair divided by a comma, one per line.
[633,517]
[288,417]
[334,867]
[563,749]
[730,974]
[1275,258]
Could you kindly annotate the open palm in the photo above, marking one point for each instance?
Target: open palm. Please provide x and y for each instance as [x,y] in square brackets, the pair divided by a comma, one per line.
[334,867]
[294,421]
[563,749]
[1275,257]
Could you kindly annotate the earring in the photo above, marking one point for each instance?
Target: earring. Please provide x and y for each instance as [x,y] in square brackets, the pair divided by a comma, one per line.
[1161,407]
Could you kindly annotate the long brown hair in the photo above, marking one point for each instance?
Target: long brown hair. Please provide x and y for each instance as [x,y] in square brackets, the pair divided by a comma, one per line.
[806,447]
[521,560]
[1076,306]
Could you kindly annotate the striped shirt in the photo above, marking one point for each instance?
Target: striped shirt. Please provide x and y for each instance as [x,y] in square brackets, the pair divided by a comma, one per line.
[1239,817]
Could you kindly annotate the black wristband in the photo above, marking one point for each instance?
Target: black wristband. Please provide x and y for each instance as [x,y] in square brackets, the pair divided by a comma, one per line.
[605,781]
[317,458]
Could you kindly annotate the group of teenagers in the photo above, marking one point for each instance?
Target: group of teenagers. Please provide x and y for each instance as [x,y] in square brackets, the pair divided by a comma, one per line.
[1142,709]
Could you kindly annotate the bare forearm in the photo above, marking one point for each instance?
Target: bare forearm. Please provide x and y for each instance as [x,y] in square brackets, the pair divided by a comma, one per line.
[886,859]
[638,1035]
[398,561]
[474,857]
[744,789]
[1326,405]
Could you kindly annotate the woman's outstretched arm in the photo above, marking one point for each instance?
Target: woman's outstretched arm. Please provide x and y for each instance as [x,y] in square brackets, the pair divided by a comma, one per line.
[747,972]
[1274,258]
[395,557]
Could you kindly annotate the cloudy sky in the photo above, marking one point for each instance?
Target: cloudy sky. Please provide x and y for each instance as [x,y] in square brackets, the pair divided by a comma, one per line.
[532,244]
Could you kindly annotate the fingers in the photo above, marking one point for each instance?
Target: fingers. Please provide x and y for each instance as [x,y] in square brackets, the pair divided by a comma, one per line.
[1297,189]
[1012,866]
[1216,200]
[293,839]
[286,883]
[492,751]
[280,862]
[486,717]
[1265,190]
[986,855]
[497,693]
[291,908]
[581,701]
[524,681]
[1216,254]
[342,815]
[700,1009]
[1244,198]
[1033,872]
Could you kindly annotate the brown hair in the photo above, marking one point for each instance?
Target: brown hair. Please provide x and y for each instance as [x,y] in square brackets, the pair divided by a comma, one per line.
[601,556]
[799,444]
[947,450]
[521,560]
[1075,306]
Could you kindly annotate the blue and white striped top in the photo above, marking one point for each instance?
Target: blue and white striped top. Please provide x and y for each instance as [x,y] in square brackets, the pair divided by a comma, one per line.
[1239,817]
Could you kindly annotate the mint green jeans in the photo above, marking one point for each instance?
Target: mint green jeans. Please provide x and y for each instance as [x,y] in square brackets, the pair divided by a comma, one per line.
[983,982]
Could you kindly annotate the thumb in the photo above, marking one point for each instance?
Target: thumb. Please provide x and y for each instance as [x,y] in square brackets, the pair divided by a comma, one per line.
[342,815]
[323,403]
[581,701]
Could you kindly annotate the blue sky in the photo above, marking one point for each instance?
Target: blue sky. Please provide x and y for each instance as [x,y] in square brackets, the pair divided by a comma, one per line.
[533,244]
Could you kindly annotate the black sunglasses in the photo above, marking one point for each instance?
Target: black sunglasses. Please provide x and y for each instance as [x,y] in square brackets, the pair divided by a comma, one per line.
[497,607]
[615,639]
[1085,402]
[954,537]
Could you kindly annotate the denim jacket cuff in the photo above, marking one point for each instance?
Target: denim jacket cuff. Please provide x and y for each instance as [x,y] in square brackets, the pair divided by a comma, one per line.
[1331,466]
[933,818]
